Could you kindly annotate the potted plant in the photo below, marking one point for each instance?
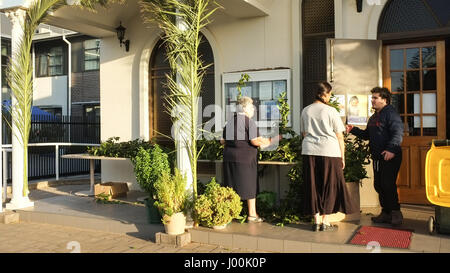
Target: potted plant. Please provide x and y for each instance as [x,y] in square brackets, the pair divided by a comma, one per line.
[357,156]
[218,206]
[172,201]
[149,165]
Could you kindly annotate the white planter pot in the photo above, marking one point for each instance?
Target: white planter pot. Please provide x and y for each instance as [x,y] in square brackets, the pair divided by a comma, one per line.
[175,224]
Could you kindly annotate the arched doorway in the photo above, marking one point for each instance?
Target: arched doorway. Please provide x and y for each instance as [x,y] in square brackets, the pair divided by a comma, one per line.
[160,122]
[416,39]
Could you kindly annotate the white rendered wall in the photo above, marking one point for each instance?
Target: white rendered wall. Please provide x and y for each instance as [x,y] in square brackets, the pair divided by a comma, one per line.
[51,91]
[350,24]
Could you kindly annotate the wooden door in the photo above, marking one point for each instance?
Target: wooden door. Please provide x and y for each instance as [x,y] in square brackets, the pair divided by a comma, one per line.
[415,73]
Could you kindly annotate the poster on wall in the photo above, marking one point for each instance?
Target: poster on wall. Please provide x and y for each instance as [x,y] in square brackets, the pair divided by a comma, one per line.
[341,100]
[357,107]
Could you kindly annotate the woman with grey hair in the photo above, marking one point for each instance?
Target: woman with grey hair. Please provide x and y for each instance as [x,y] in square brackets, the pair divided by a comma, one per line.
[240,165]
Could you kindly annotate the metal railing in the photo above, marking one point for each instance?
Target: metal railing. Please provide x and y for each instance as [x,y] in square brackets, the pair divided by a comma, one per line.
[8,148]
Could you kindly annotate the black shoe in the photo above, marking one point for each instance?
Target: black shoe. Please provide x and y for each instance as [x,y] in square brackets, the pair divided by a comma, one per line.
[384,217]
[316,227]
[324,227]
[397,218]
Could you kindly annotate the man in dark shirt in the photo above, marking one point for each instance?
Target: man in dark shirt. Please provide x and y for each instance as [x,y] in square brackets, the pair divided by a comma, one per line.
[385,133]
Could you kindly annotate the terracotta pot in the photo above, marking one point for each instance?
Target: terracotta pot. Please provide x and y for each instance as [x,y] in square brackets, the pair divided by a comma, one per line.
[175,224]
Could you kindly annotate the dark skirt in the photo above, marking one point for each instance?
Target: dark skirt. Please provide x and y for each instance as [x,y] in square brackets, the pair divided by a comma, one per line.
[325,189]
[242,177]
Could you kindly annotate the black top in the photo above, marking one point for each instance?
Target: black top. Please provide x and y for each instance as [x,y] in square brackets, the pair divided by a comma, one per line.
[384,132]
[237,133]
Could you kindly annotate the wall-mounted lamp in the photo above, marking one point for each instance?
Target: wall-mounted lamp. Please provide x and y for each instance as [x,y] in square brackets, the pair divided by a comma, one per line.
[121,36]
[359,4]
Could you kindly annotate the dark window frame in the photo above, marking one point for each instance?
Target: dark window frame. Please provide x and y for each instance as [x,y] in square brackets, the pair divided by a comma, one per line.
[47,54]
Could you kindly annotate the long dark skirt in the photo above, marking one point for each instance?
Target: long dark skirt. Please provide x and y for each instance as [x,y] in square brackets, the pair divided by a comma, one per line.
[325,190]
[242,177]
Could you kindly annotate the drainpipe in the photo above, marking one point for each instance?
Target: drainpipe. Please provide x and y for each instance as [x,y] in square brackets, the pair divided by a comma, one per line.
[69,81]
[69,75]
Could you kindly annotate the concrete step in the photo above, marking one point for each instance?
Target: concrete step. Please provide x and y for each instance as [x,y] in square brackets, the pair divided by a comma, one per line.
[9,217]
[288,239]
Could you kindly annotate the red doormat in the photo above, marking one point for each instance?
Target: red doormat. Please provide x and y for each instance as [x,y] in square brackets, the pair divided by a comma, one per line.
[385,237]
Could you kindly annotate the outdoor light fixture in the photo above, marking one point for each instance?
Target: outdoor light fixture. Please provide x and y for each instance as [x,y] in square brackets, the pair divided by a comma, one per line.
[121,36]
[359,4]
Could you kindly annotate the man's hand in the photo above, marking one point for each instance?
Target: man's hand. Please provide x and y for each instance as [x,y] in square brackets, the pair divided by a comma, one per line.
[348,128]
[387,155]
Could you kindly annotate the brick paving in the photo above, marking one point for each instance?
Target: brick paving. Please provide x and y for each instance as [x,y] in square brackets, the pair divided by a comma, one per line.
[24,237]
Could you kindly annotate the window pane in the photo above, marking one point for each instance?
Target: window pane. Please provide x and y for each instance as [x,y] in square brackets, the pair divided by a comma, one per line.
[413,104]
[397,59]
[278,88]
[92,54]
[429,80]
[413,126]
[89,44]
[413,80]
[429,57]
[429,126]
[91,65]
[397,83]
[55,60]
[42,65]
[56,51]
[429,103]
[412,58]
[398,101]
[55,70]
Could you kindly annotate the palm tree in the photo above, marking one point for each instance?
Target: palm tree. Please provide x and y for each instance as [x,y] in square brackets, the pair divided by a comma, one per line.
[181,22]
[20,72]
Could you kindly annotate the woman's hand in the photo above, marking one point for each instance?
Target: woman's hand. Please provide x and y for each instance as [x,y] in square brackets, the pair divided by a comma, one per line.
[343,163]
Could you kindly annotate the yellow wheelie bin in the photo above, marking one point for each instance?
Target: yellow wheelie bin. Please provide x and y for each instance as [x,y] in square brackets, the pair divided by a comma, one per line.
[437,184]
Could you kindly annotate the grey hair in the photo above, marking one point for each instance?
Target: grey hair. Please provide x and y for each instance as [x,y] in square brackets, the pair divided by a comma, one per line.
[244,102]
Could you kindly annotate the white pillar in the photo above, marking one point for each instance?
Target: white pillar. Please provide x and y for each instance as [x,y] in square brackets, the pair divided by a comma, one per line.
[183,162]
[18,199]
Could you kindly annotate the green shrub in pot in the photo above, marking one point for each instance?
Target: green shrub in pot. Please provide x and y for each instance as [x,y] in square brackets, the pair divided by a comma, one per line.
[217,206]
[170,192]
[149,165]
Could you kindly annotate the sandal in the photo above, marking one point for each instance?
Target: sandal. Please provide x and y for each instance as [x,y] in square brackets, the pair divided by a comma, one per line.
[254,219]
[325,227]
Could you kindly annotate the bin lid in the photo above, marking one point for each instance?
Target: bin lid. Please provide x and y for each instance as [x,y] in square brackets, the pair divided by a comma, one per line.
[437,175]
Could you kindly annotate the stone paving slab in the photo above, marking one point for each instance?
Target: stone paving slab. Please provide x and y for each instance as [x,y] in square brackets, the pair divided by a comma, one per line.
[45,238]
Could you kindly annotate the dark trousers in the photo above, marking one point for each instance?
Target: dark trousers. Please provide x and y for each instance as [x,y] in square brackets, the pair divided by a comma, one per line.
[385,177]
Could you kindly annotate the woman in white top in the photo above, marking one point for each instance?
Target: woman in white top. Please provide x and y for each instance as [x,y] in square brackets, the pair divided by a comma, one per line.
[323,161]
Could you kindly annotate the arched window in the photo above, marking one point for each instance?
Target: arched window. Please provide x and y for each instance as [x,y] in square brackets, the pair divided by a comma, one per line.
[413,19]
[159,66]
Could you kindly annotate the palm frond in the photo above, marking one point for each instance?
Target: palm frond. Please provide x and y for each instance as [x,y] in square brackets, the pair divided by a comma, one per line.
[181,21]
